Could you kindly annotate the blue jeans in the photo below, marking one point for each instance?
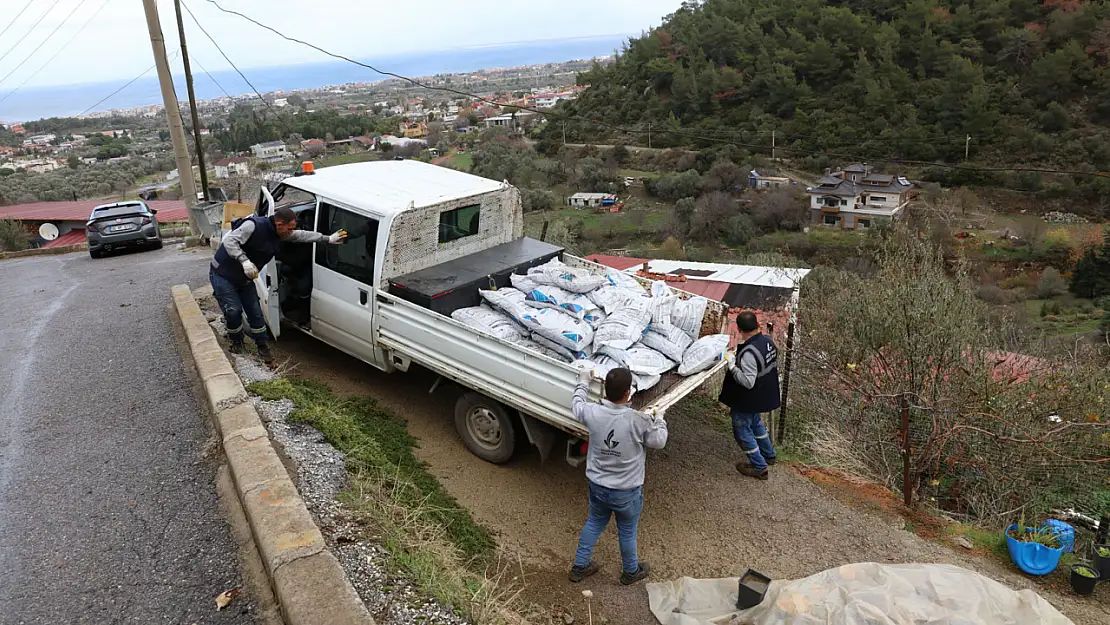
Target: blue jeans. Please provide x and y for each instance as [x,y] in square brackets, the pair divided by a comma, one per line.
[604,502]
[750,432]
[236,300]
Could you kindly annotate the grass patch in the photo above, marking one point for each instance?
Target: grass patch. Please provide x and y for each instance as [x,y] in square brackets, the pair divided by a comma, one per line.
[429,536]
[461,162]
[987,541]
[378,446]
[330,160]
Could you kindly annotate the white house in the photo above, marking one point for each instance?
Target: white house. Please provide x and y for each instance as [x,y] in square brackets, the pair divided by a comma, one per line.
[270,151]
[591,200]
[856,198]
[232,167]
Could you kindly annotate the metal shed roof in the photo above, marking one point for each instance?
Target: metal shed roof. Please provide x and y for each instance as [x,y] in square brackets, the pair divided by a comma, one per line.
[389,187]
[778,277]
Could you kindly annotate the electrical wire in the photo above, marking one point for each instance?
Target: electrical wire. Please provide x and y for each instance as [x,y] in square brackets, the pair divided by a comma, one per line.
[30,30]
[209,75]
[636,131]
[60,50]
[241,75]
[129,83]
[17,16]
[44,41]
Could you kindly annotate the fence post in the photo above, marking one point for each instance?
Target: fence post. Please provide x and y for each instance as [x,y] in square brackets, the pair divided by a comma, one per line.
[780,430]
[543,234]
[907,485]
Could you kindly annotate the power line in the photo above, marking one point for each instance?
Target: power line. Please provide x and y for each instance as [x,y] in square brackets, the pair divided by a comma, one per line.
[241,75]
[44,41]
[17,16]
[129,83]
[30,30]
[636,131]
[60,50]
[210,76]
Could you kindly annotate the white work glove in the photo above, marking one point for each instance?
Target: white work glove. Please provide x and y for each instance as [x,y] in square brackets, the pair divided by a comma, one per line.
[730,358]
[250,269]
[584,374]
[337,237]
[656,415]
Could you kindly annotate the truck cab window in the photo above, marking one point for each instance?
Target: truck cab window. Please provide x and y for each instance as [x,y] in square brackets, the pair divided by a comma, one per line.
[355,258]
[458,223]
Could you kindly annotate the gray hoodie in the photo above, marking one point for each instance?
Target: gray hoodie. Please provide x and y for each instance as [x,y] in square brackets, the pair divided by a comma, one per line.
[618,436]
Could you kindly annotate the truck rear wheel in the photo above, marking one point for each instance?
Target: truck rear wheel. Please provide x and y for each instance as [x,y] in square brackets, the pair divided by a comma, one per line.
[486,428]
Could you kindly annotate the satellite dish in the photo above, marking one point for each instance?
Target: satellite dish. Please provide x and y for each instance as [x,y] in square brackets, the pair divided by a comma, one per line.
[48,231]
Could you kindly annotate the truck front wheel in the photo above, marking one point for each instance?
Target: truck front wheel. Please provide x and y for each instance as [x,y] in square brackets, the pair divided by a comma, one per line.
[486,428]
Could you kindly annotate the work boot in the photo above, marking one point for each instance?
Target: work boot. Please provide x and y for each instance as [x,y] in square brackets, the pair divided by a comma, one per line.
[759,474]
[578,574]
[770,461]
[236,347]
[627,579]
[265,354]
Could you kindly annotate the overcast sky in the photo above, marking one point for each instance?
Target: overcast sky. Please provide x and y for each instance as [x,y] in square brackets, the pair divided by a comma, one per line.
[115,44]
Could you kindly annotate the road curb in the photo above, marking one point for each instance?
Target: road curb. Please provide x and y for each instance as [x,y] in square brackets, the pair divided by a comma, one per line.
[308,581]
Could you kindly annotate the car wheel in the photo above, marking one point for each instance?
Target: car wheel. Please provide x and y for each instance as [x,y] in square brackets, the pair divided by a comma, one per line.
[158,245]
[486,428]
[96,253]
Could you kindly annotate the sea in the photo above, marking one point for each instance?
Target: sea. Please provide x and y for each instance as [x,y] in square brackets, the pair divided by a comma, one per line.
[32,103]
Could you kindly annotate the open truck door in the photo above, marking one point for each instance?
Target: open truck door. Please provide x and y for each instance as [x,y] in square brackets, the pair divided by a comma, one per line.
[266,284]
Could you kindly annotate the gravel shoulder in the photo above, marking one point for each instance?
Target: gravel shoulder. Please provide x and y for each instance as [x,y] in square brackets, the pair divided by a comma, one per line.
[701,519]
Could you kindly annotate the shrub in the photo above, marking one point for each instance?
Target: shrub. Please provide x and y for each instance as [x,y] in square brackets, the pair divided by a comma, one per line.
[780,210]
[676,186]
[1051,283]
[538,199]
[740,229]
[672,249]
[13,237]
[992,294]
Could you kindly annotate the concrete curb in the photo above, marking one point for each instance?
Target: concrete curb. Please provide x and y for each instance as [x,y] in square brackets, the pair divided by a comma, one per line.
[308,582]
[46,251]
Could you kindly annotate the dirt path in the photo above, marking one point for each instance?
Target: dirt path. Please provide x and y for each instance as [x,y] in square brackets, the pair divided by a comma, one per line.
[700,518]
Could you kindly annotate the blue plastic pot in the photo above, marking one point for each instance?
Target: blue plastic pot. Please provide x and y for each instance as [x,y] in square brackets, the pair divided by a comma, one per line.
[1032,558]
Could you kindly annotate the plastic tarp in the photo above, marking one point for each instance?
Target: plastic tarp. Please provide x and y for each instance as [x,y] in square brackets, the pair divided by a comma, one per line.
[857,594]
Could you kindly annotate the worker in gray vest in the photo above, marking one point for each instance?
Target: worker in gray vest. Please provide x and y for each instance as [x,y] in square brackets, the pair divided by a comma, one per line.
[752,388]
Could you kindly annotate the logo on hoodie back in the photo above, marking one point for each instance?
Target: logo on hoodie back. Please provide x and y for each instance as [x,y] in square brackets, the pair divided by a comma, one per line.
[610,446]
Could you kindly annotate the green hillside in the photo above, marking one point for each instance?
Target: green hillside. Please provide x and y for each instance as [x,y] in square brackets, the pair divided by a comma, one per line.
[903,80]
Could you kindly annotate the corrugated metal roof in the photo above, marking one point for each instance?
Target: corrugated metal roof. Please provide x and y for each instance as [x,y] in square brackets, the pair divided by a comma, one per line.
[73,237]
[778,277]
[168,210]
[620,263]
[388,187]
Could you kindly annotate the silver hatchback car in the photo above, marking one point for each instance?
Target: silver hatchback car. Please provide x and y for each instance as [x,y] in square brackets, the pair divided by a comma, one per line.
[122,225]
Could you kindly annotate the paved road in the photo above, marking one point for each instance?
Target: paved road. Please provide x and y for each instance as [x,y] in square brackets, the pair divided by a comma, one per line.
[108,507]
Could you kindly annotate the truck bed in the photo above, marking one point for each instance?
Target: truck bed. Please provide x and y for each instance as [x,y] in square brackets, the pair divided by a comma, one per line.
[534,384]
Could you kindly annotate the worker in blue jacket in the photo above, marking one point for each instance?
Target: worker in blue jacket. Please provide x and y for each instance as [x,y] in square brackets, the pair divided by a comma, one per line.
[752,388]
[252,244]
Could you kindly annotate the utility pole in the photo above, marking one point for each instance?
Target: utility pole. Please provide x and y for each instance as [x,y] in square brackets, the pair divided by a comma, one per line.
[772,144]
[173,113]
[192,104]
[967,147]
[564,132]
[649,135]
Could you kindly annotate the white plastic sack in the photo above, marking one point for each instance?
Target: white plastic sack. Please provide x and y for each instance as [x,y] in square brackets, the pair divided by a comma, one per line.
[560,328]
[601,365]
[688,315]
[545,296]
[644,382]
[594,317]
[491,322]
[522,283]
[857,594]
[662,302]
[509,301]
[556,273]
[580,306]
[558,350]
[625,326]
[610,298]
[669,340]
[639,359]
[703,353]
[623,280]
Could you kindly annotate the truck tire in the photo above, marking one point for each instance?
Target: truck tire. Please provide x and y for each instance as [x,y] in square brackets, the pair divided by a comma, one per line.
[486,428]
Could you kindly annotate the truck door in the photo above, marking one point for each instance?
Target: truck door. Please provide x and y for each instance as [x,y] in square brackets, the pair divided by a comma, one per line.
[343,281]
[266,284]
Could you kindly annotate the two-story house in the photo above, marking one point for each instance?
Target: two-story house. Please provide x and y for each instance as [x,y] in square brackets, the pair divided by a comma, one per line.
[233,167]
[856,198]
[270,151]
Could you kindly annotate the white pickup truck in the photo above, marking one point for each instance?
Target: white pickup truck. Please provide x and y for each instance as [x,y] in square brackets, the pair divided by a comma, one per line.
[404,217]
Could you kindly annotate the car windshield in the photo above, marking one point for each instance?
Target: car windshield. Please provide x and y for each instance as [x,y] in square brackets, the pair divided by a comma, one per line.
[116,211]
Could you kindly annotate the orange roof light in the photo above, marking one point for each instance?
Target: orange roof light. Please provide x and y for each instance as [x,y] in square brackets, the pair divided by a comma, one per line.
[308,168]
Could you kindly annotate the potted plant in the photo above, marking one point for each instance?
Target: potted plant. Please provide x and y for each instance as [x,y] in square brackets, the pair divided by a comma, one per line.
[1102,561]
[1083,578]
[1035,551]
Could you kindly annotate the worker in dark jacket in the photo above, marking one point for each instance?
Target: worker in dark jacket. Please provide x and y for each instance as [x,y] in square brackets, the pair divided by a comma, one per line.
[253,244]
[751,388]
